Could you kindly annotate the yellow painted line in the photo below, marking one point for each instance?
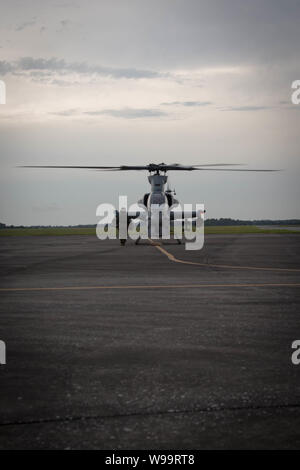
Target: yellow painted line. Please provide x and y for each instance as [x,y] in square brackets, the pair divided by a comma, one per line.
[209,265]
[147,286]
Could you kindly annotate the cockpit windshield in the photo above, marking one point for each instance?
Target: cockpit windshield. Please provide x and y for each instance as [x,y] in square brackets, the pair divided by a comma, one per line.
[157,198]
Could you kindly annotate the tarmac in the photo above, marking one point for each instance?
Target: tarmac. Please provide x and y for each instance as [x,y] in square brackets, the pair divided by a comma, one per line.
[150,346]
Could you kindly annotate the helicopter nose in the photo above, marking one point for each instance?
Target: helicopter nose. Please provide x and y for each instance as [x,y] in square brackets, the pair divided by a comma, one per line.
[157,199]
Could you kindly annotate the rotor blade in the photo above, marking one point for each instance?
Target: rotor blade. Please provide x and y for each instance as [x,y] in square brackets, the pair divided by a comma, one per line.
[206,167]
[151,167]
[178,167]
[107,168]
[221,164]
[80,167]
[193,168]
[135,167]
[228,169]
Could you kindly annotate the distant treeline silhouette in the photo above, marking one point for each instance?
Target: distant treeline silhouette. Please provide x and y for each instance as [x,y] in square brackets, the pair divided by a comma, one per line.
[208,222]
[227,221]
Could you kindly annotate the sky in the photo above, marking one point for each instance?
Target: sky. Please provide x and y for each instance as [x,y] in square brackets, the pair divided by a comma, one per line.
[112,82]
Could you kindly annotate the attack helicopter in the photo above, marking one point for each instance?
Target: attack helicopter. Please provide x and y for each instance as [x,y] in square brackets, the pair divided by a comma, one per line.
[158,179]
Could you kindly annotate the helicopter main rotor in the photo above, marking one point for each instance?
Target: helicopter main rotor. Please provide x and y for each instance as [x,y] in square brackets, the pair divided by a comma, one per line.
[155,167]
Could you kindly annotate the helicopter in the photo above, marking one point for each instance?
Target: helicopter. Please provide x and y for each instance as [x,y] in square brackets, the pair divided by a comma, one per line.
[158,195]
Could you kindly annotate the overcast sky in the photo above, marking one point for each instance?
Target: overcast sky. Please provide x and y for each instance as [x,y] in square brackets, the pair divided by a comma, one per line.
[140,81]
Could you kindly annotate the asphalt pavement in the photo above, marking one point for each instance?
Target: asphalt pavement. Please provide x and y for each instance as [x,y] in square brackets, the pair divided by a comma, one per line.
[149,347]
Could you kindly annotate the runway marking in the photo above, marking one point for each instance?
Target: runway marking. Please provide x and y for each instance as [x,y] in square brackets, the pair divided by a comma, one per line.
[147,286]
[209,265]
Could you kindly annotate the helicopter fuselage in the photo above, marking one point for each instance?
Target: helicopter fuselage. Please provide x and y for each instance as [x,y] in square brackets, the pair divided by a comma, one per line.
[158,195]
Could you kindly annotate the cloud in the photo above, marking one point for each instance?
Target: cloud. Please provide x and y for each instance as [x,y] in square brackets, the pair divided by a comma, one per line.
[25,24]
[187,103]
[66,112]
[5,67]
[61,67]
[245,108]
[64,82]
[125,113]
[63,24]
[129,113]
